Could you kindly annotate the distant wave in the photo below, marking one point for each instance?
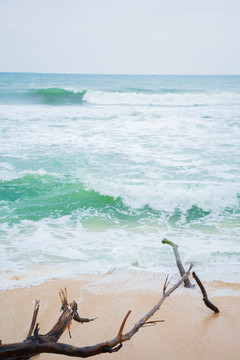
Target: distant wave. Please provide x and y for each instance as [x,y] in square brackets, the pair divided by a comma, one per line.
[162,97]
[45,96]
[57,96]
[158,91]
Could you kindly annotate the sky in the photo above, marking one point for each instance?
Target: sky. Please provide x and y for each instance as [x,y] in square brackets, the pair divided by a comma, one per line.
[120,36]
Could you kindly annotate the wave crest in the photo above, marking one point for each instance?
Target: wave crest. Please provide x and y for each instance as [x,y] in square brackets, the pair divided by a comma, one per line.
[57,96]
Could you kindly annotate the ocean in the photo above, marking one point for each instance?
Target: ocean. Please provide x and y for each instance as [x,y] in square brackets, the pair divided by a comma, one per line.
[95,170]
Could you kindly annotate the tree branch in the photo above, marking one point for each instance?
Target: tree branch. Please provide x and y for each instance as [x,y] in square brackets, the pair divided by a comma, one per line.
[64,301]
[181,269]
[204,293]
[34,318]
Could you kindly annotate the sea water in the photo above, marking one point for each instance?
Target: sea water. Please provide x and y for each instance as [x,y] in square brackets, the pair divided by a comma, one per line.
[95,170]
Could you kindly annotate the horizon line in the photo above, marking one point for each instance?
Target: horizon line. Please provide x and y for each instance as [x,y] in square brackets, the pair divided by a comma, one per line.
[110,74]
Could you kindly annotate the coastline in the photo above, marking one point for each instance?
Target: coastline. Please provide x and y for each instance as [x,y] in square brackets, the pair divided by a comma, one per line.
[190,330]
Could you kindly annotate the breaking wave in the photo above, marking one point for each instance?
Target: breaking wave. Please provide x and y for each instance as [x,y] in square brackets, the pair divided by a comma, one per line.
[57,96]
[46,96]
[38,196]
[162,97]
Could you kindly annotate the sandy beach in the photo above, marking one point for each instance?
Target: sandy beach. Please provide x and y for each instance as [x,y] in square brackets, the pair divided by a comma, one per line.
[190,330]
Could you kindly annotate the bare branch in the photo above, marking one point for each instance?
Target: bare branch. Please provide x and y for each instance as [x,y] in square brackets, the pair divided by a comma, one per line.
[63,297]
[62,323]
[34,318]
[181,269]
[204,293]
[165,285]
[141,322]
[152,323]
[80,319]
[64,301]
[122,326]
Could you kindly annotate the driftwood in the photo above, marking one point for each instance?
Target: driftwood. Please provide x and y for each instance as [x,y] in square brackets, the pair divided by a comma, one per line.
[207,302]
[181,269]
[36,344]
[187,282]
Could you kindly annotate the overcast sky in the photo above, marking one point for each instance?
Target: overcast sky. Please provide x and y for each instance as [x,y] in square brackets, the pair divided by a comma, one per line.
[120,36]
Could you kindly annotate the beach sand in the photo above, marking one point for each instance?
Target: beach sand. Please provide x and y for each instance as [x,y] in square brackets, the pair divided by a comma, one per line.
[190,331]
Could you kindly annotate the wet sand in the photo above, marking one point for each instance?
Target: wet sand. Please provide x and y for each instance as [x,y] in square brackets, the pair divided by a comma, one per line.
[190,331]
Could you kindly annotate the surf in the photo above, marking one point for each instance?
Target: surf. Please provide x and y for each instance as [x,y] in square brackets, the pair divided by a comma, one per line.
[162,98]
[39,195]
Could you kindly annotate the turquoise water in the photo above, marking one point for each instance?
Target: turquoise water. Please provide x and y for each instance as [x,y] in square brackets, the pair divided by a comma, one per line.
[96,169]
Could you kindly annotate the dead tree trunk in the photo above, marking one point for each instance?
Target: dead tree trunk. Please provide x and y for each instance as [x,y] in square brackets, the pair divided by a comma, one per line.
[47,343]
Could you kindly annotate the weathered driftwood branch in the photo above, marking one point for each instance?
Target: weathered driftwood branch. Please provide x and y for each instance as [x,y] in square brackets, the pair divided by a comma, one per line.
[34,318]
[181,269]
[58,329]
[204,293]
[187,282]
[64,301]
[47,343]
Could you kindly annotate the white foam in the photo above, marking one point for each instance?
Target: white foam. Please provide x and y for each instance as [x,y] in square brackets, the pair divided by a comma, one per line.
[166,99]
[58,248]
[167,196]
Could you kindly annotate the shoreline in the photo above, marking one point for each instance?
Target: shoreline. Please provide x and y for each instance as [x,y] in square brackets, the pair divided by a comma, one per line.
[190,330]
[211,275]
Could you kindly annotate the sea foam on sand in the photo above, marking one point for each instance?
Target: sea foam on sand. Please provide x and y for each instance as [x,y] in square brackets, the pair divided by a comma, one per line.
[190,330]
